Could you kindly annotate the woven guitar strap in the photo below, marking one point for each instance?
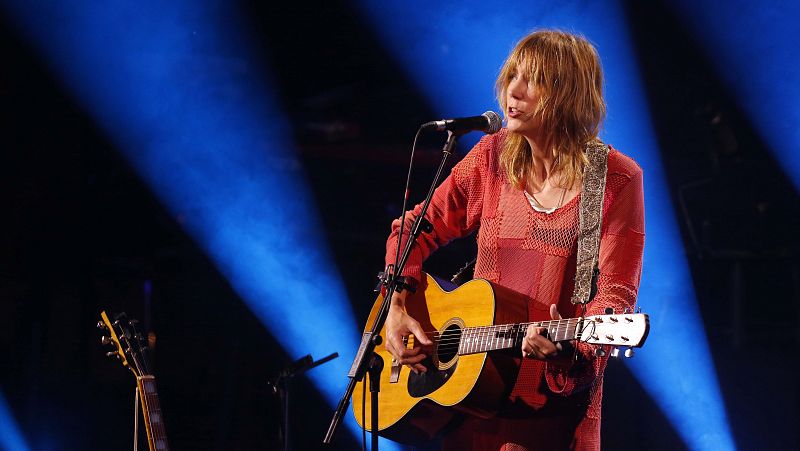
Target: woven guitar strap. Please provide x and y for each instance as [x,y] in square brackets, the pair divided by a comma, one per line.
[591,213]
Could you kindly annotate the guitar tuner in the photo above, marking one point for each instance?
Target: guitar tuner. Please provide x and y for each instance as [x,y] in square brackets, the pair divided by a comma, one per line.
[629,319]
[105,341]
[609,310]
[101,325]
[629,353]
[112,354]
[615,352]
[613,319]
[600,352]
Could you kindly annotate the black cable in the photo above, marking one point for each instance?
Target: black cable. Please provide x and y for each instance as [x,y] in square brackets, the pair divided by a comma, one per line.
[405,199]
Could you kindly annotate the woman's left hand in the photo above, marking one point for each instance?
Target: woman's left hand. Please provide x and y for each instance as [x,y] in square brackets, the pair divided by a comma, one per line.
[535,345]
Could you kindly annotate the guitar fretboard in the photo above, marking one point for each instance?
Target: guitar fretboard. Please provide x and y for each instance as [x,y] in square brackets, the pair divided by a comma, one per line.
[490,338]
[156,433]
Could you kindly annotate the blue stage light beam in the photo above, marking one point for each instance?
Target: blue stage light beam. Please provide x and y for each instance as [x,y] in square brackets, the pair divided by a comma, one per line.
[179,91]
[453,52]
[753,46]
[11,438]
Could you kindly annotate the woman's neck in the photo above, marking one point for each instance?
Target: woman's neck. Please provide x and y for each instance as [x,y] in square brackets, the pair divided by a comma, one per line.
[542,158]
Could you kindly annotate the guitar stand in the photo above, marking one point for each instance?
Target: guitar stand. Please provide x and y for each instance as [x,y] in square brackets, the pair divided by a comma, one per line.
[374,371]
[136,418]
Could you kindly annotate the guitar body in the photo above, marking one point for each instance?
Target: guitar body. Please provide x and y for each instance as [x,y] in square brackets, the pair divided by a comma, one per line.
[418,406]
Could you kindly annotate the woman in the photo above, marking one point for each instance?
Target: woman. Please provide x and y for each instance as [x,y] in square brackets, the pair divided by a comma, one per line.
[521,187]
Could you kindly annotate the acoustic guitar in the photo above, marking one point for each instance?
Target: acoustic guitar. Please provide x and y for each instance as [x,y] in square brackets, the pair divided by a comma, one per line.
[463,376]
[129,349]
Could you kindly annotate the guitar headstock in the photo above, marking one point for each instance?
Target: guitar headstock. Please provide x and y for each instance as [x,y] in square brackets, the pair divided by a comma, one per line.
[127,342]
[626,329]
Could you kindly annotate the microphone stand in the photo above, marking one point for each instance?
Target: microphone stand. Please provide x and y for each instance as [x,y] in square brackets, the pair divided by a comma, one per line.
[366,359]
[281,386]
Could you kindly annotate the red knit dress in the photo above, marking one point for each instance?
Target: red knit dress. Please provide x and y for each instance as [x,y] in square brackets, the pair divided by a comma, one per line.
[531,252]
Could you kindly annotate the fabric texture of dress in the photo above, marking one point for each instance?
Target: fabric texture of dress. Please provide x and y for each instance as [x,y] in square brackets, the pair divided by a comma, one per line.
[550,406]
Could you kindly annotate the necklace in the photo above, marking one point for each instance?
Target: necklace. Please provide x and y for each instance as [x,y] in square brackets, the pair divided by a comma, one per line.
[538,205]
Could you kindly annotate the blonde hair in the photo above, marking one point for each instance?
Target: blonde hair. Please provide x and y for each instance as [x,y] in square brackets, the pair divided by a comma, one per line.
[566,69]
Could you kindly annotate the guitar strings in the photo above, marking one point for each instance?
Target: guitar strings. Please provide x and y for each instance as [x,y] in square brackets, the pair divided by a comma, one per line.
[488,335]
[476,339]
[484,340]
[450,337]
[151,404]
[545,324]
[560,325]
[493,334]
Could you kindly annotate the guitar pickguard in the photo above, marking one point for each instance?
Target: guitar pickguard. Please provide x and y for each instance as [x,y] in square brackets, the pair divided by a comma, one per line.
[423,384]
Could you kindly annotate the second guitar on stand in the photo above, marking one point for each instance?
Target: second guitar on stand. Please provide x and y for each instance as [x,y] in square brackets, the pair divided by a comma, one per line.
[128,348]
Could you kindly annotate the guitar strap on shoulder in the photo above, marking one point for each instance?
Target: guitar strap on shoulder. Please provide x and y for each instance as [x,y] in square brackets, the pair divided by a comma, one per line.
[591,214]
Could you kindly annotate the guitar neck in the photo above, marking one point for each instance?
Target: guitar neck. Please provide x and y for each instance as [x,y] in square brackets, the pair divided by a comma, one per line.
[490,338]
[151,408]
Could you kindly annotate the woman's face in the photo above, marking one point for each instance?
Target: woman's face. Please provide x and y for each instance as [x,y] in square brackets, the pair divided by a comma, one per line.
[522,100]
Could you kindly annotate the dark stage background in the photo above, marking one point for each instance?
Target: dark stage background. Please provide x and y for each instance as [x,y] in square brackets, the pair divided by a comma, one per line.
[80,233]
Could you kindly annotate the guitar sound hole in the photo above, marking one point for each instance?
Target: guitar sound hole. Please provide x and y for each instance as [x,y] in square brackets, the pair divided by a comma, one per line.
[423,384]
[448,343]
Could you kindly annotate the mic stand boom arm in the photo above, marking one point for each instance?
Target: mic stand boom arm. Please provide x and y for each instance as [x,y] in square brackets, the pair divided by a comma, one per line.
[372,338]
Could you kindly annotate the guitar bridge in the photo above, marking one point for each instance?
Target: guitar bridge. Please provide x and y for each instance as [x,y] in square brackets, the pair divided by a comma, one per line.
[394,374]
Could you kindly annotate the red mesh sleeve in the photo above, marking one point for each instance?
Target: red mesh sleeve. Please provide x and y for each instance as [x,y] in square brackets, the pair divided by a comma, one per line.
[621,248]
[454,211]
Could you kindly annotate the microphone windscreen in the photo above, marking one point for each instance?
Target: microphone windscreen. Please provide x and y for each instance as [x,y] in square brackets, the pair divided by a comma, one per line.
[495,123]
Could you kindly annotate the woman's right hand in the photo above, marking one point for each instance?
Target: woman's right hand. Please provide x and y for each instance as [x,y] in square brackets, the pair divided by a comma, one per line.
[399,325]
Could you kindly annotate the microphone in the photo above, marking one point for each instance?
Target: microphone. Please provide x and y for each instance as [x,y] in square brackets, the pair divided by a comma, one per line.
[488,122]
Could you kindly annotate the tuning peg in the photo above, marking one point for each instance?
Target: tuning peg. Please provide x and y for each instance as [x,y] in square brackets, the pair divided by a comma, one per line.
[600,352]
[609,310]
[112,354]
[615,352]
[105,341]
[629,353]
[101,325]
